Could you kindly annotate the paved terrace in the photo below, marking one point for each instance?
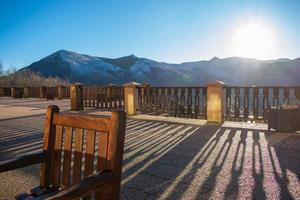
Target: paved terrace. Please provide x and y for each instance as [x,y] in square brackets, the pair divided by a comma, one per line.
[167,160]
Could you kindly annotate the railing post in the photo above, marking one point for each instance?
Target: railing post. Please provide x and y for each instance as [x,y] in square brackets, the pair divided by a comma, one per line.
[215,101]
[131,97]
[60,92]
[26,92]
[13,92]
[43,92]
[76,97]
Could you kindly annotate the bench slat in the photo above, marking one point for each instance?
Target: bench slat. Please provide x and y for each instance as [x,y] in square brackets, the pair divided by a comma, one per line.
[77,155]
[56,159]
[67,157]
[89,155]
[83,122]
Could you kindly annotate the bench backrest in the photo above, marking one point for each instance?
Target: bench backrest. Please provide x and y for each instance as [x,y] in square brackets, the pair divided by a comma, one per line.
[80,145]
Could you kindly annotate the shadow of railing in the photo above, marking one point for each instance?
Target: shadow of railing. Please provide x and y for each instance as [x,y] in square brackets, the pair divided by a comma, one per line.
[176,161]
[217,162]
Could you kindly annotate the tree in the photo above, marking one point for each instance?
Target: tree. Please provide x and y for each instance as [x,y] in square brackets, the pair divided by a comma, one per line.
[1,68]
[28,79]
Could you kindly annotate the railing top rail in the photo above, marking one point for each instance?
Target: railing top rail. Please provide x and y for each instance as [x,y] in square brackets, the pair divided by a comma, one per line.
[178,87]
[102,86]
[230,86]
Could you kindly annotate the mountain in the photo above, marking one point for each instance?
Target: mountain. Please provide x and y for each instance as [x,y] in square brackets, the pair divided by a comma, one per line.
[87,69]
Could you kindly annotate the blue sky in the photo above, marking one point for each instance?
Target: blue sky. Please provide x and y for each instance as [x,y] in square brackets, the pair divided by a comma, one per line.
[170,31]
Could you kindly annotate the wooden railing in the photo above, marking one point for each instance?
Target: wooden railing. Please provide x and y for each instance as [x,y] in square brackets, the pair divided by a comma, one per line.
[103,97]
[52,91]
[65,92]
[238,103]
[5,92]
[189,102]
[36,92]
[252,103]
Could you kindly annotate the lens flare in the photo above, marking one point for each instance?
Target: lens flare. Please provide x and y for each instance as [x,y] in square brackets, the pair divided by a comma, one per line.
[254,40]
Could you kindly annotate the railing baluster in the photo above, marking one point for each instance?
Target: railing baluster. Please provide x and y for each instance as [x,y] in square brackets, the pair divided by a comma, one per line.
[197,103]
[228,103]
[255,102]
[168,100]
[182,102]
[175,102]
[189,103]
[286,93]
[265,102]
[237,103]
[204,92]
[246,103]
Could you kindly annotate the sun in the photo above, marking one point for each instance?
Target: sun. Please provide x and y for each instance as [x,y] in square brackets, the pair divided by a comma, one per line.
[254,40]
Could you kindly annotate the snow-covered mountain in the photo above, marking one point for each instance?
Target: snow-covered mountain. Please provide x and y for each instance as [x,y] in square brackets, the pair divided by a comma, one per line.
[233,71]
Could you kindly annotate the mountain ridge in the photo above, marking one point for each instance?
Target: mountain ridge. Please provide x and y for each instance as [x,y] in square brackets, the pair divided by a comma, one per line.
[83,68]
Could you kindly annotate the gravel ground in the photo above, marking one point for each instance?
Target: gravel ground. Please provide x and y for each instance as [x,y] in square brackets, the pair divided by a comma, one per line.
[166,160]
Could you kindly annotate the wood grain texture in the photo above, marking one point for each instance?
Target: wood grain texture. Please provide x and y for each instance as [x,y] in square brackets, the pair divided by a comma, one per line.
[77,155]
[57,174]
[82,122]
[67,157]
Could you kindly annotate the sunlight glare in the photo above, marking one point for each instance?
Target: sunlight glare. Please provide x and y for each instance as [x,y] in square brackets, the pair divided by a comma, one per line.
[254,40]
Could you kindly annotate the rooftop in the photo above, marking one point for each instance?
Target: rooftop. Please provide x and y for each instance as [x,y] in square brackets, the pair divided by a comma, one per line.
[169,158]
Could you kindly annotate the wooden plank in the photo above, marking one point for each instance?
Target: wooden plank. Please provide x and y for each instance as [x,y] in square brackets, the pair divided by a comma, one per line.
[67,157]
[102,151]
[115,151]
[77,155]
[102,157]
[49,139]
[22,161]
[87,186]
[56,158]
[89,155]
[82,122]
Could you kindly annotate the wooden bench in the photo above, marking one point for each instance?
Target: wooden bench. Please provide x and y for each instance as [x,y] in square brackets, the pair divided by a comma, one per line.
[82,157]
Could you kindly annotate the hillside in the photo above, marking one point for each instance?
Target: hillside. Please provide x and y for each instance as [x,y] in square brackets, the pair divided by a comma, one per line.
[87,69]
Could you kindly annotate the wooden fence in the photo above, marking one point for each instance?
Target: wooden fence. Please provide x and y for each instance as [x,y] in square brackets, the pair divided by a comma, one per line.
[240,103]
[36,92]
[109,97]
[188,102]
[6,92]
[252,103]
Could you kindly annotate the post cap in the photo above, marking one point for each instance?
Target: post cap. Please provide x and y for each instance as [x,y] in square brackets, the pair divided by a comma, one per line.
[77,84]
[112,85]
[145,84]
[132,84]
[216,83]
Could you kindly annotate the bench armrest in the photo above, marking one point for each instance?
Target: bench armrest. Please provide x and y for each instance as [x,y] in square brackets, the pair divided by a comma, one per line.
[86,186]
[22,161]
